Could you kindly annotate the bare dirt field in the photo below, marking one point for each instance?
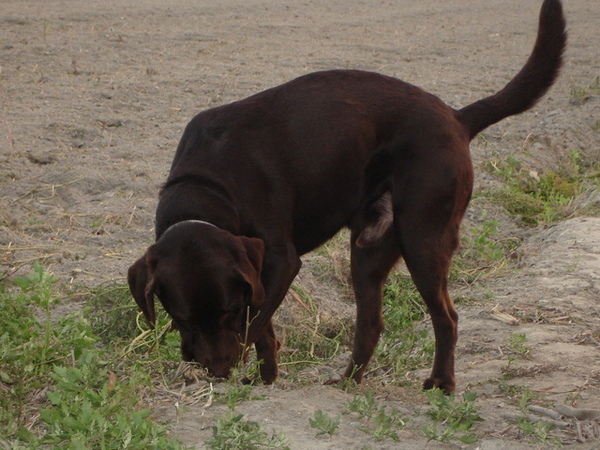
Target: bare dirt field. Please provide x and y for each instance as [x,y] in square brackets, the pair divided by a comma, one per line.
[95,95]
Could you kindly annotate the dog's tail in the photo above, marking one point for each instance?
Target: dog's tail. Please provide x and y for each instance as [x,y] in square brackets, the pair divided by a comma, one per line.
[532,82]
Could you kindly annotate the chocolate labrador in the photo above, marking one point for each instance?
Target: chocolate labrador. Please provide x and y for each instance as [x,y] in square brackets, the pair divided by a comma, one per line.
[257,183]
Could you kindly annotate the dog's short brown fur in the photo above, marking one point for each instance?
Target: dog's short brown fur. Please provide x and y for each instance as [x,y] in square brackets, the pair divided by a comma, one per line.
[259,182]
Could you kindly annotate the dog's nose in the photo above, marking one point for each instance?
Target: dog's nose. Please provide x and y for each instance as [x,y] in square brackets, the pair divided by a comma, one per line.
[219,372]
[220,367]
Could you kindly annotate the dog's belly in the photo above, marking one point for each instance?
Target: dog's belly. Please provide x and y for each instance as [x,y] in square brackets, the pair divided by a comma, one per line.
[322,219]
[308,238]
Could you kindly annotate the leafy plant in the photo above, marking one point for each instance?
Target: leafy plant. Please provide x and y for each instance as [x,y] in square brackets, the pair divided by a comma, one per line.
[112,315]
[324,424]
[363,405]
[517,343]
[452,419]
[89,408]
[384,424]
[231,432]
[237,393]
[540,430]
[517,348]
[39,286]
[536,198]
[581,94]
[381,422]
[85,404]
[483,244]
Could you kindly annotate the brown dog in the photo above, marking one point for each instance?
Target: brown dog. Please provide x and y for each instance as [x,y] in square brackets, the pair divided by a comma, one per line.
[259,182]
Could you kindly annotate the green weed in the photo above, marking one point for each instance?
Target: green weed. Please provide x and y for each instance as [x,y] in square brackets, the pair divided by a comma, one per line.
[381,422]
[515,393]
[119,325]
[482,246]
[363,405]
[536,199]
[324,424]
[581,94]
[540,430]
[112,315]
[59,386]
[484,243]
[452,419]
[238,393]
[231,432]
[517,348]
[89,408]
[517,343]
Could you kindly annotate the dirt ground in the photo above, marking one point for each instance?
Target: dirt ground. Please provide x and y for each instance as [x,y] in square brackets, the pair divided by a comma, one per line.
[94,97]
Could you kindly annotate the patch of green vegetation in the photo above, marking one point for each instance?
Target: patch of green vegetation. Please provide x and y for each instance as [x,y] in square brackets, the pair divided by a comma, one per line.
[517,343]
[112,315]
[539,430]
[232,432]
[237,393]
[59,386]
[118,324]
[581,94]
[514,393]
[484,245]
[324,423]
[452,419]
[536,198]
[517,348]
[90,408]
[382,422]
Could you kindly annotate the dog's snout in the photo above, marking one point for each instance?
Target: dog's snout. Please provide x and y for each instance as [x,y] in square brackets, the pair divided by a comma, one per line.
[219,367]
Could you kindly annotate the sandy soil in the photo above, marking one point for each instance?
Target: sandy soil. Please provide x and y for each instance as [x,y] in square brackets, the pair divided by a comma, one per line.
[94,97]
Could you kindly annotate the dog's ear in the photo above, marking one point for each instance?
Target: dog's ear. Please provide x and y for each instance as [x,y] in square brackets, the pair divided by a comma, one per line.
[252,268]
[141,279]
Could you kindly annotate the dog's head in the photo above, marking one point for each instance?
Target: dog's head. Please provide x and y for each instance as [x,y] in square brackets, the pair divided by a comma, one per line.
[208,281]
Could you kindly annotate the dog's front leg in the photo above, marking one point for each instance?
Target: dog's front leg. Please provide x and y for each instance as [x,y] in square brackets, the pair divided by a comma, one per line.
[280,267]
[267,347]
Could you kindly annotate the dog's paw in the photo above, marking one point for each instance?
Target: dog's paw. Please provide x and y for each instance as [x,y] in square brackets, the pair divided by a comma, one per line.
[333,381]
[448,386]
[341,382]
[268,375]
[248,380]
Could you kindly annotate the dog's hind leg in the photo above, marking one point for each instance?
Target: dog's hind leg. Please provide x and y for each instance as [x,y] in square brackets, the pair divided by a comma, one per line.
[370,268]
[429,268]
[427,218]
